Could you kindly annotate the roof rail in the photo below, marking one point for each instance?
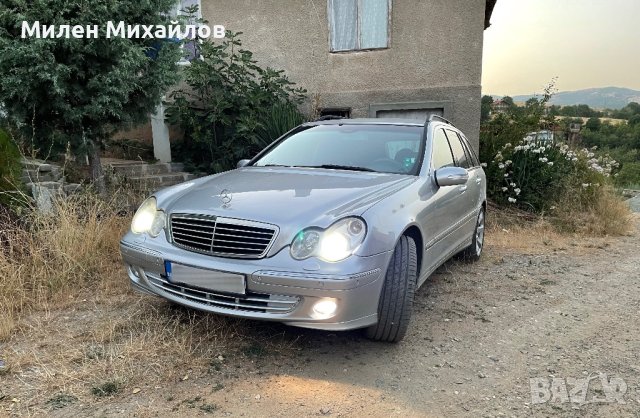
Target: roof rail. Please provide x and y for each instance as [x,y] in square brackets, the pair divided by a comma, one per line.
[441,119]
[329,117]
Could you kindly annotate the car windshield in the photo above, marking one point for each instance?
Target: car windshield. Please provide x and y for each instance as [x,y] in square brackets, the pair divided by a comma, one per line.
[358,147]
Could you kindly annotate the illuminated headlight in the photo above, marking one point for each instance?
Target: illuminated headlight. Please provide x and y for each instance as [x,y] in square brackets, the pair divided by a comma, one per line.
[333,244]
[148,219]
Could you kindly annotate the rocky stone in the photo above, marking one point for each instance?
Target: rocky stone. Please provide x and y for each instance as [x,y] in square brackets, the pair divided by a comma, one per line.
[72,188]
[43,196]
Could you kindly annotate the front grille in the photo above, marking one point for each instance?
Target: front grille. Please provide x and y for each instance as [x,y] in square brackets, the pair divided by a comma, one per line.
[221,236]
[251,302]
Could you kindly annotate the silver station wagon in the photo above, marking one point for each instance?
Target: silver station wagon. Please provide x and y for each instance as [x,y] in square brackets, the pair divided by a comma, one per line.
[334,226]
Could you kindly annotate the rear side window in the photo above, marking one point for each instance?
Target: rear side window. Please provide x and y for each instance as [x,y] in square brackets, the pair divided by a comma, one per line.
[459,154]
[441,156]
[470,152]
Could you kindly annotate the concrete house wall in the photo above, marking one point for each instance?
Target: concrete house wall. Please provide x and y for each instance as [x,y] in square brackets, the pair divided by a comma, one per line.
[434,60]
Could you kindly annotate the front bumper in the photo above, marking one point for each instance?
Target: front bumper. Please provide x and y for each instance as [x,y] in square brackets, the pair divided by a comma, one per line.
[278,288]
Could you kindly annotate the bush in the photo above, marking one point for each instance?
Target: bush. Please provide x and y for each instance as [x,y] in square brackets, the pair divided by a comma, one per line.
[629,175]
[10,169]
[535,177]
[549,177]
[230,106]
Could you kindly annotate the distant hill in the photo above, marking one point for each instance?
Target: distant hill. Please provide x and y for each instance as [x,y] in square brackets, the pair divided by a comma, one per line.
[598,98]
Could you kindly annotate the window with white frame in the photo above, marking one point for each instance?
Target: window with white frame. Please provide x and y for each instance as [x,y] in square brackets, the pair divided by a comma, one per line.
[359,24]
[183,8]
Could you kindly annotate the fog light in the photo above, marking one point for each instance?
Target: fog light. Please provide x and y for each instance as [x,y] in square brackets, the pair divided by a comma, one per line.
[325,308]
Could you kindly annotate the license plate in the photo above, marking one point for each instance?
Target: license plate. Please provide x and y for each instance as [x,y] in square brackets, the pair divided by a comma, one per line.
[212,280]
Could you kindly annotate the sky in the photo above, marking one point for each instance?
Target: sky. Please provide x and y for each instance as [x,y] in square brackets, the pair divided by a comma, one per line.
[584,43]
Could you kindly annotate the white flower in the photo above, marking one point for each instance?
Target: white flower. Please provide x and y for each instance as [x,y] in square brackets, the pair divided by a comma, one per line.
[550,163]
[500,166]
[504,189]
[483,164]
[508,162]
[543,159]
[506,175]
[507,145]
[512,200]
[585,185]
[512,184]
[574,159]
[517,191]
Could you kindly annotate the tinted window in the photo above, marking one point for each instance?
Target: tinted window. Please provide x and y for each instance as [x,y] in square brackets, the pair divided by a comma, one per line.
[470,152]
[458,151]
[441,156]
[383,148]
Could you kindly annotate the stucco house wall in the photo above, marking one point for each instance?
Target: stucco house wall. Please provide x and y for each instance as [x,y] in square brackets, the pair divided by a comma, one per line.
[434,59]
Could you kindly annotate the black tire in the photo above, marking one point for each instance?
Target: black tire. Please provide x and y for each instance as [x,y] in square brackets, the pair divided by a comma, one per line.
[396,298]
[474,251]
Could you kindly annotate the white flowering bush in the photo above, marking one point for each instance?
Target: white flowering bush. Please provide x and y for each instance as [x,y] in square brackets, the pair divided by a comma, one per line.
[536,176]
[539,175]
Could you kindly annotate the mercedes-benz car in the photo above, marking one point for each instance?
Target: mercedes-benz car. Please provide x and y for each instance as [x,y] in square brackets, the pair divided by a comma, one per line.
[333,226]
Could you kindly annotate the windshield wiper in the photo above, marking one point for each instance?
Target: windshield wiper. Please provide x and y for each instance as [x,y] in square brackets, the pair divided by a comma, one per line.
[342,167]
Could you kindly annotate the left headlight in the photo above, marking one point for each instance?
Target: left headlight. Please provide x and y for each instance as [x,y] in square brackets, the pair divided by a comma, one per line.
[335,243]
[148,219]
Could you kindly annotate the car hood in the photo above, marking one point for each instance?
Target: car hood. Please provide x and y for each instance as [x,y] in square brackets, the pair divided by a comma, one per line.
[297,197]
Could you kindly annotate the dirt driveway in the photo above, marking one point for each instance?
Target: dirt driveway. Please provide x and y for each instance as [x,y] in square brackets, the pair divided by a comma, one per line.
[534,311]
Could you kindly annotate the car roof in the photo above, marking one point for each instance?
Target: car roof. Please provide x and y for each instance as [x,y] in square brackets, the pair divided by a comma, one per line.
[368,121]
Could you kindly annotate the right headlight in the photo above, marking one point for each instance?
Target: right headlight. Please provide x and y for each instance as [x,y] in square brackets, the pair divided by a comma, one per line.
[148,219]
[333,244]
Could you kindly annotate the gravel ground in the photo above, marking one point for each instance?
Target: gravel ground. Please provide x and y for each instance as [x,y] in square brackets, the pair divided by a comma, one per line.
[564,319]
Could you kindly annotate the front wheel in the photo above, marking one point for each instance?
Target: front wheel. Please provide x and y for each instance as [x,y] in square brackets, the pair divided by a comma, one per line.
[474,251]
[396,298]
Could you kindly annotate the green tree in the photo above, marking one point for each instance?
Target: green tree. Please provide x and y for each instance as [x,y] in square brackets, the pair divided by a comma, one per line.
[79,91]
[231,107]
[485,107]
[593,124]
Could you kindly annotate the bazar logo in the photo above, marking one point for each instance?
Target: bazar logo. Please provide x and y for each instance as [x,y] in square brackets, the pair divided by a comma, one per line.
[562,390]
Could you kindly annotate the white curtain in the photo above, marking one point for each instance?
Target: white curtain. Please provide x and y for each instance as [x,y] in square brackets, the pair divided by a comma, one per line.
[344,30]
[374,22]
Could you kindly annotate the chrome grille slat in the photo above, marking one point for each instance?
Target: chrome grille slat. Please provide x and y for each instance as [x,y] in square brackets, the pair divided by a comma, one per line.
[242,230]
[220,236]
[182,228]
[184,234]
[252,303]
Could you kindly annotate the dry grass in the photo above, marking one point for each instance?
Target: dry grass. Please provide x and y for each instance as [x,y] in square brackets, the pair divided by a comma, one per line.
[607,215]
[46,258]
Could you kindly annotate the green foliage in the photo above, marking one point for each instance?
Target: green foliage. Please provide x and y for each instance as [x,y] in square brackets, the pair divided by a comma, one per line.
[536,176]
[231,106]
[582,111]
[629,174]
[10,168]
[593,124]
[627,112]
[281,118]
[485,107]
[79,91]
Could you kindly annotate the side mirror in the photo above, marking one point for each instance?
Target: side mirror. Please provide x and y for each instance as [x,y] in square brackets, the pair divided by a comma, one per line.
[451,176]
[242,163]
